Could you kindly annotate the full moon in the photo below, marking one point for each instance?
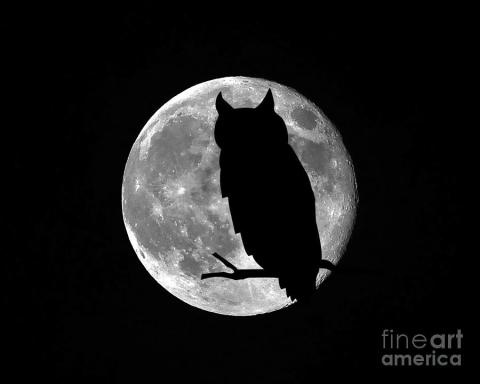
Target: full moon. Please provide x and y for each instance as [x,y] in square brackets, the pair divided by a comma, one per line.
[176,218]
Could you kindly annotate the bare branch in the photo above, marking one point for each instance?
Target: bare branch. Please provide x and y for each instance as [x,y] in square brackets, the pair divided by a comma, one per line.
[237,274]
[224,261]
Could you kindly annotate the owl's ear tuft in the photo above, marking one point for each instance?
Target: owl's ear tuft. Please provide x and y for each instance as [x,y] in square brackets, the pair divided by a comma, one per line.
[268,103]
[221,105]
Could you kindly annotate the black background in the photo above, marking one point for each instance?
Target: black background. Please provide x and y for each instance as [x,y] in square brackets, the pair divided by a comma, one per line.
[81,302]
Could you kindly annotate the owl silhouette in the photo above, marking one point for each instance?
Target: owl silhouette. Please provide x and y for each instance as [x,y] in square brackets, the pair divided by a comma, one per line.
[270,197]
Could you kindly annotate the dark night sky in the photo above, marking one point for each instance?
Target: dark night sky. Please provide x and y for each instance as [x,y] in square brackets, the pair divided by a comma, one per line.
[84,304]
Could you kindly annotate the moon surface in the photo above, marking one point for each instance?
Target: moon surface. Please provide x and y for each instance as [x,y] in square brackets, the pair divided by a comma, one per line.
[176,218]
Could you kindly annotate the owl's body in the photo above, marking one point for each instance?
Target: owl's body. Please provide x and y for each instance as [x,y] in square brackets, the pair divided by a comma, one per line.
[269,194]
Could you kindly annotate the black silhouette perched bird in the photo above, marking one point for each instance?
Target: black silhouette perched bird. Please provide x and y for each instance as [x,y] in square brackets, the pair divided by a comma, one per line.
[270,198]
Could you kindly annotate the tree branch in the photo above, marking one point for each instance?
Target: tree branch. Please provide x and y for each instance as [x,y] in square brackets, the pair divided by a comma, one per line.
[237,274]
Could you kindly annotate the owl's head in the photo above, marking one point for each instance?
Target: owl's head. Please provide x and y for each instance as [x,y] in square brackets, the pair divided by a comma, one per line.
[245,128]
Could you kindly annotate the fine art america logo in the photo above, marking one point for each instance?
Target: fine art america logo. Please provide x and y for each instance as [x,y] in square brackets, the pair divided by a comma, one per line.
[441,349]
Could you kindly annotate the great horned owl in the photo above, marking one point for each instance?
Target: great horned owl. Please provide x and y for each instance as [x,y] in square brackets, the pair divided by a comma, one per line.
[270,197]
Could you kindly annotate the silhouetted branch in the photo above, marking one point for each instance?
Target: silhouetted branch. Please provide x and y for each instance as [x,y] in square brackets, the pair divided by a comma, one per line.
[224,261]
[237,274]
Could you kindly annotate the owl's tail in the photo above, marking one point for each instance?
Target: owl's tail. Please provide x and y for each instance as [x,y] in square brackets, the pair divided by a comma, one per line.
[301,284]
[298,290]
